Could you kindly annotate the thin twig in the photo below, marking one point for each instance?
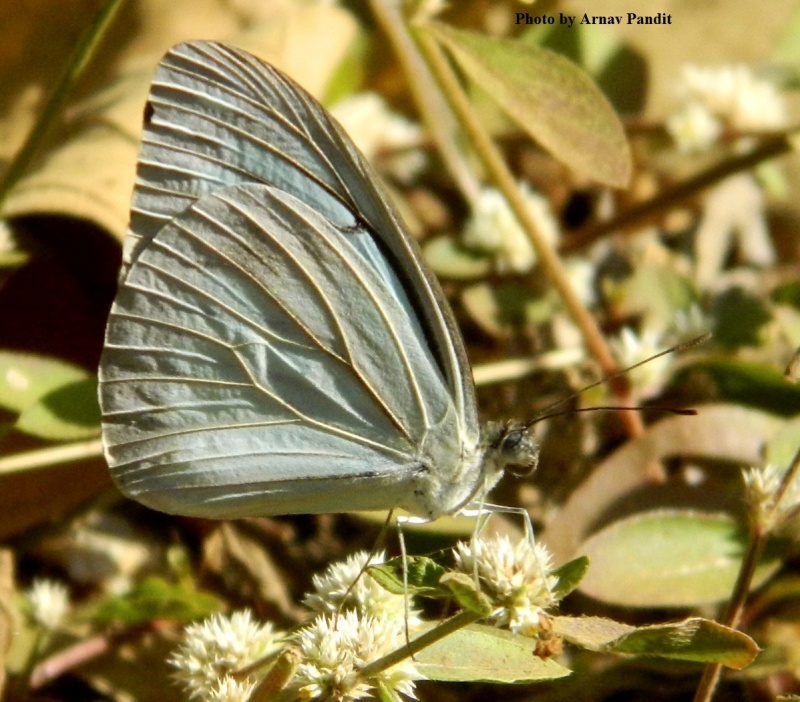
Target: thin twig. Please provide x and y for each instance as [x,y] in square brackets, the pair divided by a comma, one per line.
[678,194]
[44,458]
[433,109]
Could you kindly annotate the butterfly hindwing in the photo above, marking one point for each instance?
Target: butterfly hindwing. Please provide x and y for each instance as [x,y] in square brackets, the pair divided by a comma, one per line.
[219,382]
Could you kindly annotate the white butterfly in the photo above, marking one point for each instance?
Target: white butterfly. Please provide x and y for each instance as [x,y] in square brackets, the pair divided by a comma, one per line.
[277,345]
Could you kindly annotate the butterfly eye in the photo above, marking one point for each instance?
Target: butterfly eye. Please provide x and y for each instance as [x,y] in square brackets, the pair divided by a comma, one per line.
[518,450]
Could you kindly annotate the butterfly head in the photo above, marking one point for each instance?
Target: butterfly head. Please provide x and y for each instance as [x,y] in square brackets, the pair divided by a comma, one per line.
[511,447]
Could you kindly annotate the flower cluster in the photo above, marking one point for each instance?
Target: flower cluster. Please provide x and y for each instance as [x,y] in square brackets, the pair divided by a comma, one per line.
[761,490]
[216,648]
[48,601]
[344,586]
[516,577]
[336,647]
[359,622]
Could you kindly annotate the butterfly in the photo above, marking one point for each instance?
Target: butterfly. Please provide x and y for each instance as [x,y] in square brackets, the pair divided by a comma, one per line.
[277,344]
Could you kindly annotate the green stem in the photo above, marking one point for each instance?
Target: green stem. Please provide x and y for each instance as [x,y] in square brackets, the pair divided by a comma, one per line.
[447,627]
[433,109]
[760,529]
[58,96]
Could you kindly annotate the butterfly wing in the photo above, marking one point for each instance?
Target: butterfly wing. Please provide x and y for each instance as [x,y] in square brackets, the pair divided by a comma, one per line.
[218,116]
[276,345]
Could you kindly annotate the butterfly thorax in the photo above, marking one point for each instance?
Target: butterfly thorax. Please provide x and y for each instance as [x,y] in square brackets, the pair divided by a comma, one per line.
[456,475]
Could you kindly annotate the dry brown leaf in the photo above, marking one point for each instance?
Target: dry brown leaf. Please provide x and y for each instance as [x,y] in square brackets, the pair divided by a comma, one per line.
[246,567]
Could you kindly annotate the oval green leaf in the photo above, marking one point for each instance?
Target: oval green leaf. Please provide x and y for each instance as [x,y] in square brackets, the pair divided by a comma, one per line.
[668,558]
[699,640]
[67,413]
[549,97]
[483,653]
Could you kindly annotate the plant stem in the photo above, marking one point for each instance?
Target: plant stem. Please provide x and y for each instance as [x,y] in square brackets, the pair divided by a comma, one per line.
[548,258]
[433,109]
[447,627]
[760,529]
[44,458]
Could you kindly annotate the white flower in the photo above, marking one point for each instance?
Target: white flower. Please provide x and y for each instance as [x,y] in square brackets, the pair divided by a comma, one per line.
[228,689]
[736,95]
[630,349]
[49,601]
[515,577]
[364,594]
[690,322]
[218,646]
[694,129]
[494,228]
[761,487]
[335,648]
[374,128]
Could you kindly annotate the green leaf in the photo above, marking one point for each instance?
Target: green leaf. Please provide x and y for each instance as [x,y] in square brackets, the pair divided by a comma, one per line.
[483,653]
[738,318]
[696,639]
[155,598]
[26,378]
[423,576]
[668,558]
[569,576]
[549,97]
[619,71]
[746,383]
[502,309]
[655,291]
[68,413]
[467,593]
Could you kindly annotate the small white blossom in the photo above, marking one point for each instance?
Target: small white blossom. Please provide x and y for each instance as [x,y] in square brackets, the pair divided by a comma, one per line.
[228,689]
[217,647]
[761,487]
[374,129]
[494,228]
[630,349]
[364,595]
[49,601]
[691,322]
[581,273]
[736,95]
[694,129]
[515,577]
[335,648]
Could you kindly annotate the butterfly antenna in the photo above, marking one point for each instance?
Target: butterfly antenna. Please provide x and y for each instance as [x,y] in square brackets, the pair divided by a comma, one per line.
[672,349]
